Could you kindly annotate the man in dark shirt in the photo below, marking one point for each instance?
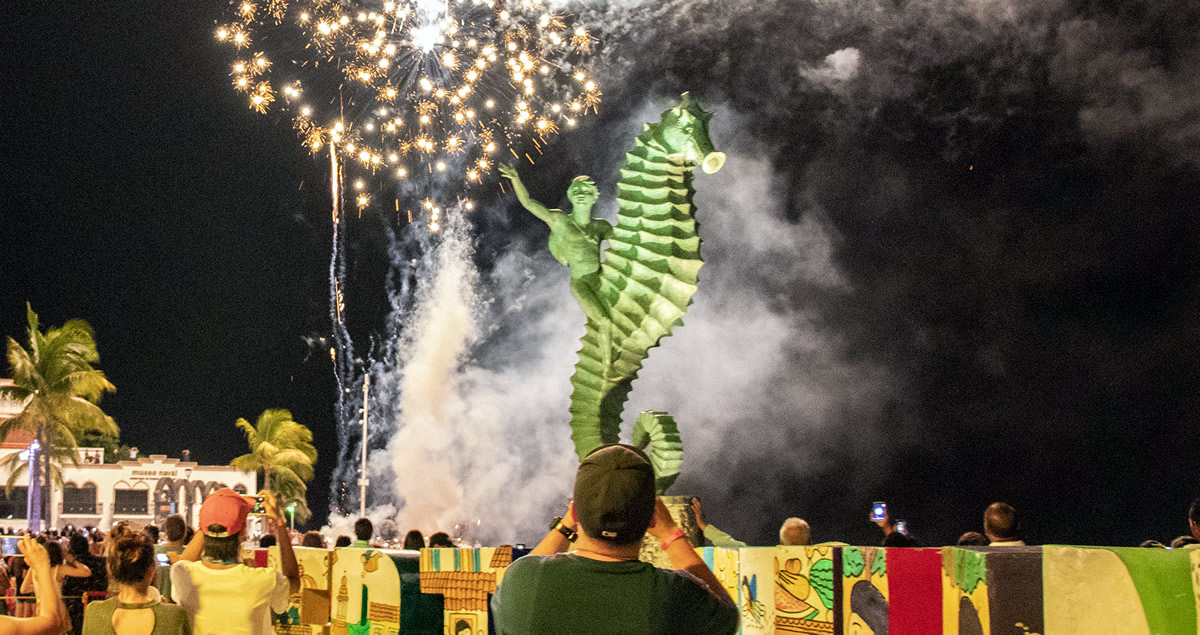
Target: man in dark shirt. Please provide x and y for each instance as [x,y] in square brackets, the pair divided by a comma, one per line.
[74,588]
[176,530]
[363,530]
[600,586]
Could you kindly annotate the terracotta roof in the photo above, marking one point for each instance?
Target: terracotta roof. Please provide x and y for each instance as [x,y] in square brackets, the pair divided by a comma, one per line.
[462,590]
[19,439]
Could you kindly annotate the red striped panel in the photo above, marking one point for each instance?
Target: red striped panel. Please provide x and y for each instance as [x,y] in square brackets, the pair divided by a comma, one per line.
[914,591]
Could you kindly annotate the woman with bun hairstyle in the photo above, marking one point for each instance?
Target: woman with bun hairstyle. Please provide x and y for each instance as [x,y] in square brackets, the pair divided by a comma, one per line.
[137,608]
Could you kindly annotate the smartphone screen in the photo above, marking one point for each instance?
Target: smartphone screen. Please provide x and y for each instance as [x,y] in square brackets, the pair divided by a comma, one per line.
[8,545]
[902,527]
[256,505]
[163,560]
[878,511]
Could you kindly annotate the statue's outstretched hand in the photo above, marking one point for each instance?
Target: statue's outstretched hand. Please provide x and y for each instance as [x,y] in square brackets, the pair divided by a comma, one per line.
[509,172]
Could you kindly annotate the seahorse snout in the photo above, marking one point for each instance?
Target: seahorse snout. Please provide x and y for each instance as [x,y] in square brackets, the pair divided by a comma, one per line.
[712,162]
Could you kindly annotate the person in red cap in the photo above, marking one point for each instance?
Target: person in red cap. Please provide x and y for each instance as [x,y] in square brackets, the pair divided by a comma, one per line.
[223,595]
[600,586]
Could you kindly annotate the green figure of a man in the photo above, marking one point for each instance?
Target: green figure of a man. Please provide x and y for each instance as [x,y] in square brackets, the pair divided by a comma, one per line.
[574,239]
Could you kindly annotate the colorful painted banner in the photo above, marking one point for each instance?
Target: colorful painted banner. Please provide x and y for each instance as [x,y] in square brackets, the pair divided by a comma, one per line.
[1051,590]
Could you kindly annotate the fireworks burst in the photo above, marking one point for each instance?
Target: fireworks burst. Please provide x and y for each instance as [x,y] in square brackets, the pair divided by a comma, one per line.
[401,89]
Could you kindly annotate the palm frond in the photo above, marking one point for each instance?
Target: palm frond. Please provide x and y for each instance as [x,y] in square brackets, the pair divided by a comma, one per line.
[80,414]
[96,425]
[15,393]
[294,460]
[266,449]
[57,376]
[283,450]
[289,488]
[35,335]
[23,367]
[282,474]
[25,421]
[63,445]
[16,468]
[251,433]
[90,384]
[247,463]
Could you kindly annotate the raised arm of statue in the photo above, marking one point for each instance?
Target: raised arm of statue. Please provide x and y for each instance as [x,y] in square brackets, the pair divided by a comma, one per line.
[537,209]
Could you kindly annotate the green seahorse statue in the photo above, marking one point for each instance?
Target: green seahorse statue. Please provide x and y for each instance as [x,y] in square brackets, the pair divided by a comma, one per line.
[639,290]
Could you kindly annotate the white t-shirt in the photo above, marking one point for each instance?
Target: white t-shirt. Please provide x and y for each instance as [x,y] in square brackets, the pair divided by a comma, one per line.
[231,601]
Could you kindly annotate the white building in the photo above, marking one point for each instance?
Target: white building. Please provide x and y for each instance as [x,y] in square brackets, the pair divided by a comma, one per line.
[144,490]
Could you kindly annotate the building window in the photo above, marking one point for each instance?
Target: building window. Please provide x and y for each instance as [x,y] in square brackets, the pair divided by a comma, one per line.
[14,505]
[131,502]
[80,500]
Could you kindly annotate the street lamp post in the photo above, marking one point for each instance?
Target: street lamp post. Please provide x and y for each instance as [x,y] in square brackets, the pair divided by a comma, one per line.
[33,495]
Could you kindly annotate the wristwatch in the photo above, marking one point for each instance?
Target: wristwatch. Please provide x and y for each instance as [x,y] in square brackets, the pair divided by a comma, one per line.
[566,531]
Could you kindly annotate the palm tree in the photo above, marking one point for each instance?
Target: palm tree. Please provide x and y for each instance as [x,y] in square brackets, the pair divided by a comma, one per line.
[55,380]
[282,449]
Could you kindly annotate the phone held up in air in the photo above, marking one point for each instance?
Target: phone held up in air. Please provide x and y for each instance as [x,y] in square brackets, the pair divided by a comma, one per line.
[878,511]
[902,527]
[8,545]
[256,505]
[163,560]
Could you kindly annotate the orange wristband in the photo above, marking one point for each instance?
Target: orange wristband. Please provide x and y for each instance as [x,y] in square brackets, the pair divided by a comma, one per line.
[672,538]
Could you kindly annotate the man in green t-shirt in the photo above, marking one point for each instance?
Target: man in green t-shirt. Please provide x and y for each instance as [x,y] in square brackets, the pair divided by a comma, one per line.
[600,587]
[175,530]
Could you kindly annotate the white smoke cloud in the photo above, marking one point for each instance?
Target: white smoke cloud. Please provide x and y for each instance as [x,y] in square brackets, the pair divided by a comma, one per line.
[755,376]
[840,66]
[1129,95]
[425,458]
[482,433]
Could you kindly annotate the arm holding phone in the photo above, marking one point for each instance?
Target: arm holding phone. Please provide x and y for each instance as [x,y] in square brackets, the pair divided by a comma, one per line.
[681,553]
[51,615]
[556,541]
[194,548]
[891,536]
[287,557]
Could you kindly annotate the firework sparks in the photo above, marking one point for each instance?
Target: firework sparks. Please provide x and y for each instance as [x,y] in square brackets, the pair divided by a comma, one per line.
[417,87]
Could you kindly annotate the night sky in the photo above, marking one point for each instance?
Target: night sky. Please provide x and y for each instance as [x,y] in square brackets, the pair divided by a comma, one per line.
[969,230]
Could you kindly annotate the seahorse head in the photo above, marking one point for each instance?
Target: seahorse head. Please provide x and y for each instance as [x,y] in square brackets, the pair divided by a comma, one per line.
[684,130]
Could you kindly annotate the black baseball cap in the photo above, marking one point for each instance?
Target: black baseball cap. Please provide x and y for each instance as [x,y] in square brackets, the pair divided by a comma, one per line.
[614,493]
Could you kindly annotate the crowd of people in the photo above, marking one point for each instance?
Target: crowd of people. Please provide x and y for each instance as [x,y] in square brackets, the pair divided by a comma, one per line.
[1001,528]
[585,576]
[165,580]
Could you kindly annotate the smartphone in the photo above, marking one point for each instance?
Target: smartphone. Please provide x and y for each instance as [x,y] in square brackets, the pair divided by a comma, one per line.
[878,511]
[8,546]
[163,560]
[902,527]
[256,505]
